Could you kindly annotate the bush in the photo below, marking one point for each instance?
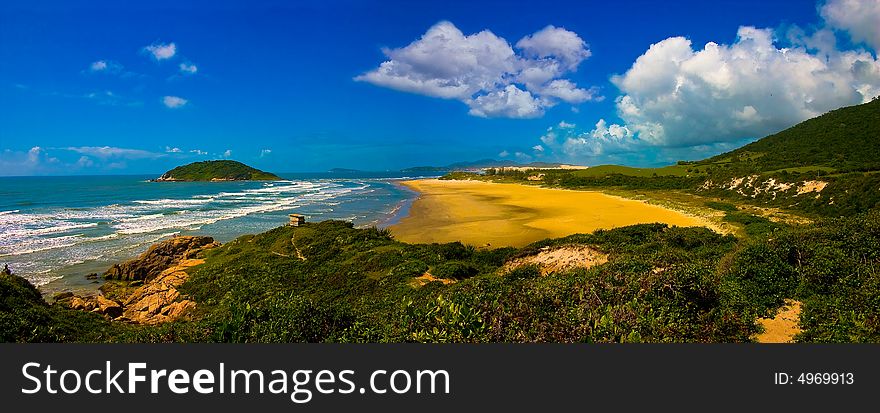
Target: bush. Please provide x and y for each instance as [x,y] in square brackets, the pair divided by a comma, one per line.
[455,270]
[721,206]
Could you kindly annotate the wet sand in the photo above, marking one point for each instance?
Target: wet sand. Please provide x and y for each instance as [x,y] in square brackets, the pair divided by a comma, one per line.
[496,215]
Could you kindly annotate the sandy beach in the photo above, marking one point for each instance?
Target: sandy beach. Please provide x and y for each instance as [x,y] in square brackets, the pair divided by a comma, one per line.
[496,215]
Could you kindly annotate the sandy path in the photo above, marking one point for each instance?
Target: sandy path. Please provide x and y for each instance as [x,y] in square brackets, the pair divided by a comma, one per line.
[481,213]
[784,326]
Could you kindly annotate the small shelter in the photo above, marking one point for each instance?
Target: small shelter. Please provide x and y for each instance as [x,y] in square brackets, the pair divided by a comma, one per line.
[297,220]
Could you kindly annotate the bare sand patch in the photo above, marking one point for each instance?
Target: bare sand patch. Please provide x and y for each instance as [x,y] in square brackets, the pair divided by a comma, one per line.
[784,326]
[488,214]
[559,259]
[428,278]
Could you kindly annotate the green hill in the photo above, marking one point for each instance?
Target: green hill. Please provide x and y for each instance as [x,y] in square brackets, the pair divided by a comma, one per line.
[216,171]
[826,166]
[843,140]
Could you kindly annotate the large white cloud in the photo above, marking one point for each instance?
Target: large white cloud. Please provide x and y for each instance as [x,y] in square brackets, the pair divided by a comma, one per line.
[510,102]
[674,95]
[860,18]
[602,140]
[555,43]
[484,71]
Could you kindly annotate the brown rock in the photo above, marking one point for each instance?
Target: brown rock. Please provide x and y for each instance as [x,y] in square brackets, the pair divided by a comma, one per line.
[160,257]
[80,303]
[158,300]
[108,307]
[152,296]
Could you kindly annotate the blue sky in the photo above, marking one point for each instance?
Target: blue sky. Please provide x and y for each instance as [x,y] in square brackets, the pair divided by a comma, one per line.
[298,86]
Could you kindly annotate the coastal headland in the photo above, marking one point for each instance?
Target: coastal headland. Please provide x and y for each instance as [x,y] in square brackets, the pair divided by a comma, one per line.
[487,214]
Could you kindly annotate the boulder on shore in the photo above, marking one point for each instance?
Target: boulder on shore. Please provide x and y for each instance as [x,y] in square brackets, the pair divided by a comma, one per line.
[160,257]
[154,277]
[108,307]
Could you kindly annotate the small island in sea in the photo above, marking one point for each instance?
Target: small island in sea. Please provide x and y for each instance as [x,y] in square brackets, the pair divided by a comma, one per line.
[208,171]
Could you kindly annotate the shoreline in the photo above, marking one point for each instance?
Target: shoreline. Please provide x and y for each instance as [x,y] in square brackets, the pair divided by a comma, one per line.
[489,214]
[368,200]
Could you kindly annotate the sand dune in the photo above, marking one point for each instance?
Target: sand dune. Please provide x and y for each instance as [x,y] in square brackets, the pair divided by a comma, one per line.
[481,213]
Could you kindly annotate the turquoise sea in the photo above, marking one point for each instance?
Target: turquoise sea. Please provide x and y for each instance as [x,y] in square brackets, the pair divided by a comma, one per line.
[55,230]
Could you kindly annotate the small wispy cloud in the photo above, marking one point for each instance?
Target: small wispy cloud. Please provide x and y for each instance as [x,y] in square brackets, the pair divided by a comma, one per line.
[105,97]
[198,152]
[522,157]
[503,154]
[265,152]
[161,51]
[98,66]
[169,149]
[188,68]
[228,153]
[105,66]
[85,162]
[105,152]
[35,161]
[174,102]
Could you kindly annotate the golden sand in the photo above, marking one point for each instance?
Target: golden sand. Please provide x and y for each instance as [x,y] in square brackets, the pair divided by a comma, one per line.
[494,214]
[784,326]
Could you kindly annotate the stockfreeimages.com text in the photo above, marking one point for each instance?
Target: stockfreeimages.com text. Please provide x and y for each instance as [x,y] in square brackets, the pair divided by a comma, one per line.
[301,385]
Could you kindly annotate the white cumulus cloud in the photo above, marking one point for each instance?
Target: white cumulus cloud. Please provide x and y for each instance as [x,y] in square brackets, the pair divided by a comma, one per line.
[676,95]
[603,139]
[174,102]
[860,18]
[264,152]
[105,66]
[510,102]
[484,71]
[161,51]
[85,162]
[555,43]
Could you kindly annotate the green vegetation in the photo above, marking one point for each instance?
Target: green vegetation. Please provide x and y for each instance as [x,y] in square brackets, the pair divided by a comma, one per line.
[25,317]
[843,140]
[329,282]
[835,154]
[216,170]
[660,284]
[605,170]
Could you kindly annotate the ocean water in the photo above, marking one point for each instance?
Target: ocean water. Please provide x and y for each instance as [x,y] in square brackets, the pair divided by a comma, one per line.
[55,230]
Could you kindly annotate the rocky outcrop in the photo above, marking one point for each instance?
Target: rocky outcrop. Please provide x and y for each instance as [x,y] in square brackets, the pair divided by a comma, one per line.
[157,274]
[160,257]
[754,186]
[159,300]
[107,307]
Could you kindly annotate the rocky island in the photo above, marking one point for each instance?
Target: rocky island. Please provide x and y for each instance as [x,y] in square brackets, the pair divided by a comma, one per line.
[210,171]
